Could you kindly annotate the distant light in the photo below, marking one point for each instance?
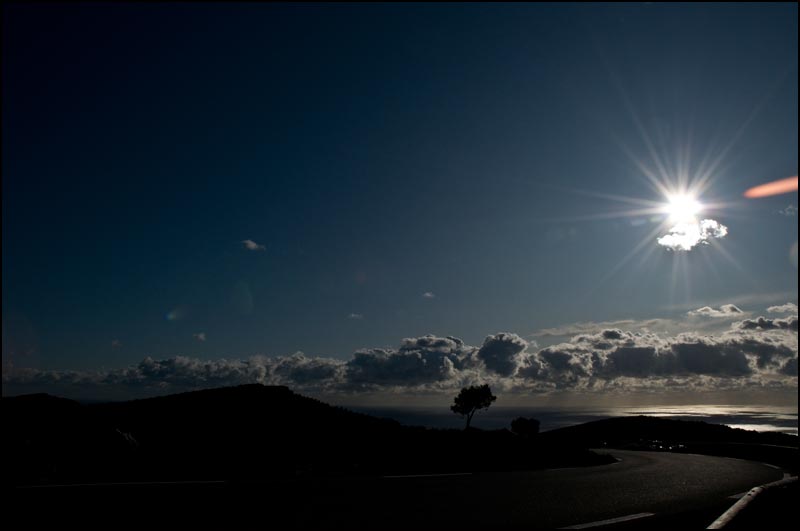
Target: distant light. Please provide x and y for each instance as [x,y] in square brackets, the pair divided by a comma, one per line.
[781,186]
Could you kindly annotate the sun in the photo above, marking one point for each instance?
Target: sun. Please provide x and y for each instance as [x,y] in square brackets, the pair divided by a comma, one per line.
[682,208]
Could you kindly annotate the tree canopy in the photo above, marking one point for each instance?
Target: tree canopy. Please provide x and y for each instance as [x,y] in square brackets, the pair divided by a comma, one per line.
[471,399]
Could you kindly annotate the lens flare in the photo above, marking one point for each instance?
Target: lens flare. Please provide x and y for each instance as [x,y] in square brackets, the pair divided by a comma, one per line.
[782,186]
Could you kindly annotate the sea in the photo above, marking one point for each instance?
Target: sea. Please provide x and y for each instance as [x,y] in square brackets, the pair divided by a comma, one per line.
[758,418]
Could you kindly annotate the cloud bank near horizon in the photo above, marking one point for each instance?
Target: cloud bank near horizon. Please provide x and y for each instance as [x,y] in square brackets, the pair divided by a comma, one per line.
[755,354]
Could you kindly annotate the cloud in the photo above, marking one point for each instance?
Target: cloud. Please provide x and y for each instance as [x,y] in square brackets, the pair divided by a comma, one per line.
[200,336]
[685,236]
[789,307]
[116,343]
[790,210]
[637,362]
[428,295]
[566,365]
[753,353]
[377,367]
[790,367]
[707,356]
[422,360]
[726,310]
[763,323]
[250,245]
[501,353]
[355,316]
[589,327]
[744,299]
[664,326]
[301,370]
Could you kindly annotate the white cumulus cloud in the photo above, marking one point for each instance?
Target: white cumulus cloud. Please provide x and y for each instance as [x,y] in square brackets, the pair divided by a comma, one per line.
[726,310]
[685,236]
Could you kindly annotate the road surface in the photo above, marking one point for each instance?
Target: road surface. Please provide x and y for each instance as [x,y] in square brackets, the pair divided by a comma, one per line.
[643,490]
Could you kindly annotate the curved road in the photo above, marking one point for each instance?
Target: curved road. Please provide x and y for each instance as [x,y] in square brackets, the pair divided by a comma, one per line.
[683,486]
[680,490]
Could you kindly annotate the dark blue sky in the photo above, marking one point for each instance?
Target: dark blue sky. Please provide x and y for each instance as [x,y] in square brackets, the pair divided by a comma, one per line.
[377,152]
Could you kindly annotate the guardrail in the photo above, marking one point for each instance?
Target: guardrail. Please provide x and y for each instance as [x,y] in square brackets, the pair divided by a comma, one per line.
[726,517]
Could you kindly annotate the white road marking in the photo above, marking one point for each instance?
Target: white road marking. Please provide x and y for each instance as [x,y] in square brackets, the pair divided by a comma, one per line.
[429,475]
[609,521]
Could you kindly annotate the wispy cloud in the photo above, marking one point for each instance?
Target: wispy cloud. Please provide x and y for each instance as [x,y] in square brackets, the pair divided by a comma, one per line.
[790,210]
[744,299]
[685,236]
[116,343]
[591,327]
[428,295]
[250,245]
[789,307]
[356,316]
[200,336]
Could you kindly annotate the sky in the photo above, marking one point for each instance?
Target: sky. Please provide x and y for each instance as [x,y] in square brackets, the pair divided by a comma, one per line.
[397,200]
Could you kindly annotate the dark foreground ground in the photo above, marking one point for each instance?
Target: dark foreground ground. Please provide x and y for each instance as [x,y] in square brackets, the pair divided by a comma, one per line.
[681,491]
[256,457]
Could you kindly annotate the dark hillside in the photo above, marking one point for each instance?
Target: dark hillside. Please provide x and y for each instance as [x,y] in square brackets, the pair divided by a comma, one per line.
[250,432]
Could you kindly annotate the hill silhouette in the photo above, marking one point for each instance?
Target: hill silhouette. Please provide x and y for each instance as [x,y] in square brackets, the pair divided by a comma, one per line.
[249,432]
[662,434]
[633,429]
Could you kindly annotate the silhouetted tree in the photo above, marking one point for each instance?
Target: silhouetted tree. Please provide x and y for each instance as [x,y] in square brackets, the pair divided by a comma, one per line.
[525,427]
[471,399]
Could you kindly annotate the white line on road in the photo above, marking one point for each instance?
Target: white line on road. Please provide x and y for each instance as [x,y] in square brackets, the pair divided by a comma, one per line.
[429,475]
[609,521]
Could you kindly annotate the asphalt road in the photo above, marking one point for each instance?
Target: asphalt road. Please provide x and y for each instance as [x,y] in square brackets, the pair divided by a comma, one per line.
[679,490]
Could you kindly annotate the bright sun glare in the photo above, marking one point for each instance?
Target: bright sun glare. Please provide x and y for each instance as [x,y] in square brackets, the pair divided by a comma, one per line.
[682,208]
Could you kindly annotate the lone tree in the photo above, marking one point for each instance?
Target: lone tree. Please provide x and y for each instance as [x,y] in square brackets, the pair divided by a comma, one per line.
[525,428]
[471,399]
